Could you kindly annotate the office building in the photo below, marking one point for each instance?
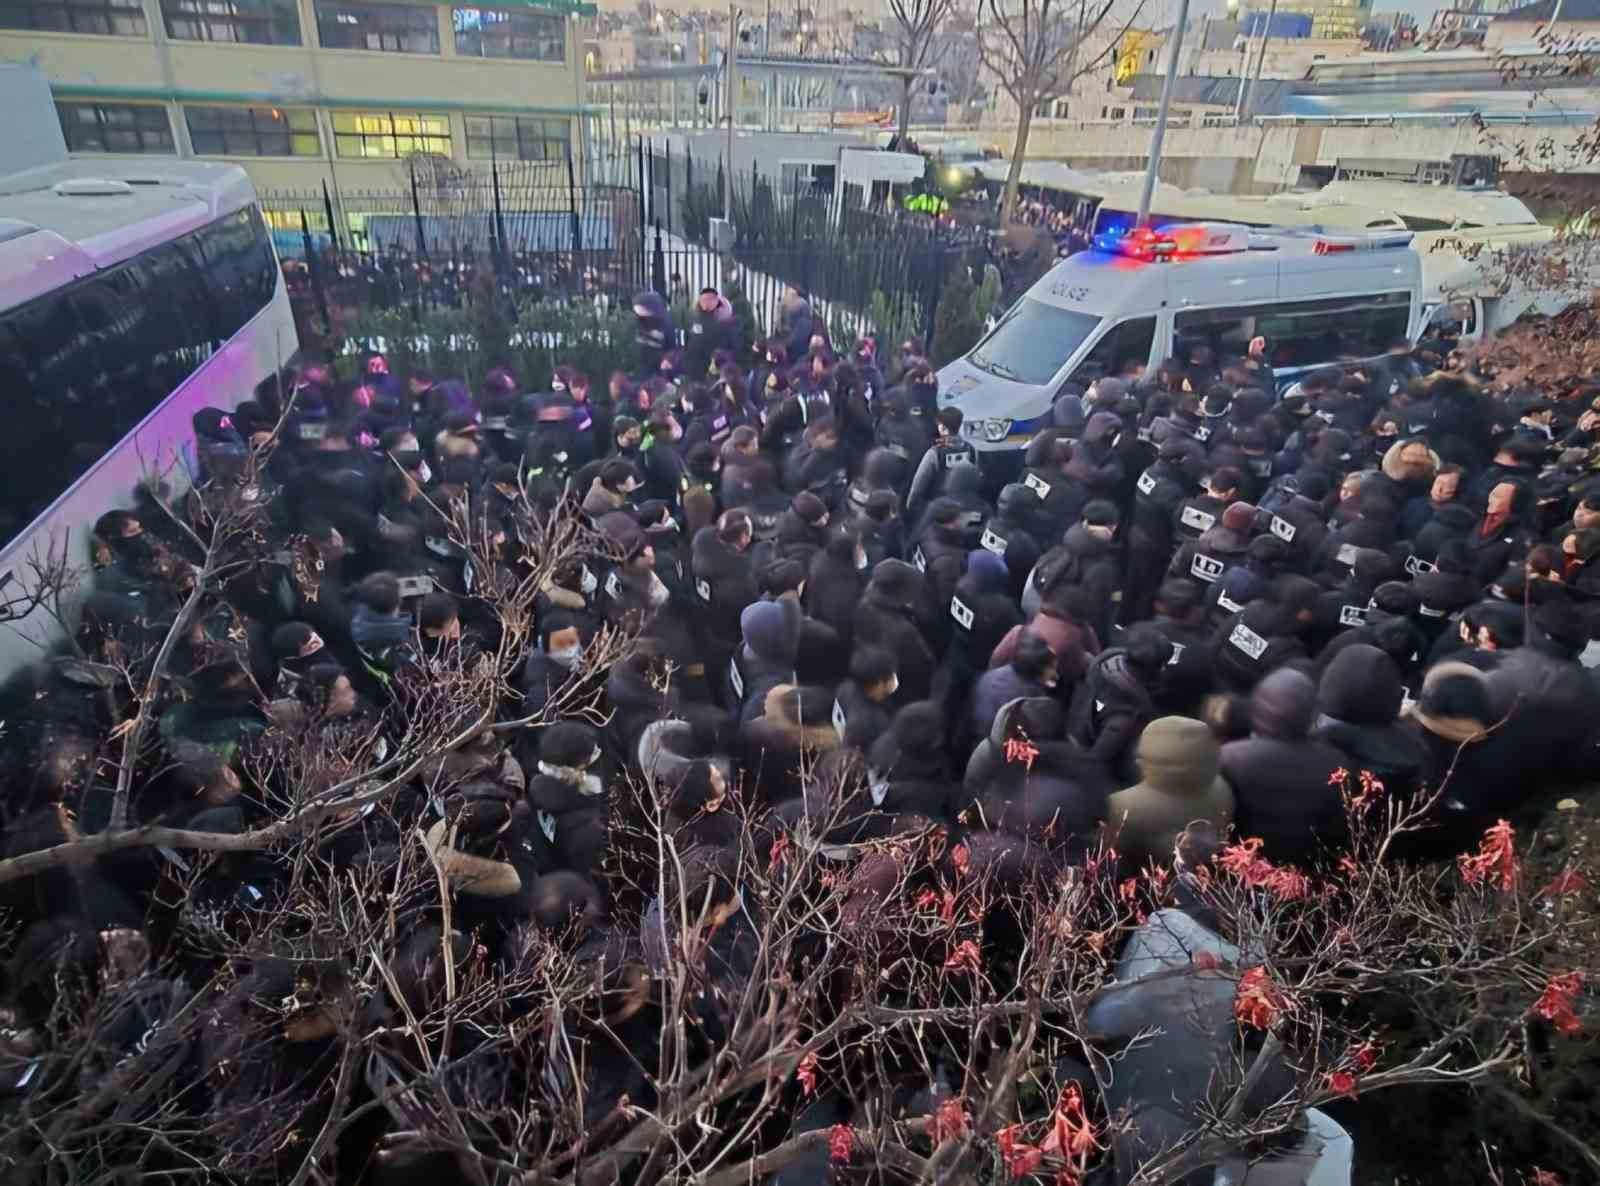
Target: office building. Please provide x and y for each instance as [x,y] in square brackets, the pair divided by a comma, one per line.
[302,92]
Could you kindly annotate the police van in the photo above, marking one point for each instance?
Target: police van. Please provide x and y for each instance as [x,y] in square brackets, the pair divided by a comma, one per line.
[1136,299]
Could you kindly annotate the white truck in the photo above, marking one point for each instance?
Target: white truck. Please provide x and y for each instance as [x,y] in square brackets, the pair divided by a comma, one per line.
[1477,282]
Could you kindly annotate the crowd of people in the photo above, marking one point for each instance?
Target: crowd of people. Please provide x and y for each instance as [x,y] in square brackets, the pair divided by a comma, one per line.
[1197,604]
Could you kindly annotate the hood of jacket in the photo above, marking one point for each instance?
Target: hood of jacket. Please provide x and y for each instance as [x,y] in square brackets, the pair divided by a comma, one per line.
[475,876]
[811,736]
[654,302]
[1086,545]
[1218,540]
[1283,705]
[1408,470]
[601,499]
[368,626]
[1101,428]
[772,630]
[1178,755]
[1361,685]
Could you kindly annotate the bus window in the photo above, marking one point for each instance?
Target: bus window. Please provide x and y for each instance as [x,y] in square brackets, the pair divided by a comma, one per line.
[239,269]
[88,362]
[1124,347]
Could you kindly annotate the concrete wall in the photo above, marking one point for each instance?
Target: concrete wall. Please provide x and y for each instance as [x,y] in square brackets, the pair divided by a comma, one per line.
[1264,159]
[170,73]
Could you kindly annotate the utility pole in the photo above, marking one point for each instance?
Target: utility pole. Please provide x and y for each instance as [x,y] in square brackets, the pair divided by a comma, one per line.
[1244,69]
[1072,54]
[727,165]
[1261,56]
[1161,115]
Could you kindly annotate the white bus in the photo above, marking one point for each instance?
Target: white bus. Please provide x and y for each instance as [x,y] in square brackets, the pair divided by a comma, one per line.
[132,294]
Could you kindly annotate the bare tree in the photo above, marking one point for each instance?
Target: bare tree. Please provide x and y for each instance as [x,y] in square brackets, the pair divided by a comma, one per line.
[1037,48]
[824,982]
[915,29]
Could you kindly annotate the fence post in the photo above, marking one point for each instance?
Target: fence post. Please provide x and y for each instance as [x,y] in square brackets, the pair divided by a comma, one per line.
[333,225]
[416,214]
[658,265]
[502,259]
[929,312]
[572,207]
[646,186]
[314,267]
[666,163]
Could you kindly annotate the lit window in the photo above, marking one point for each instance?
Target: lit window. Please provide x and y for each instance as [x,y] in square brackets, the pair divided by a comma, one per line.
[388,134]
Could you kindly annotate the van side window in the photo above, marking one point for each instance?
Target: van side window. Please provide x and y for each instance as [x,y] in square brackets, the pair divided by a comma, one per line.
[1123,345]
[1299,333]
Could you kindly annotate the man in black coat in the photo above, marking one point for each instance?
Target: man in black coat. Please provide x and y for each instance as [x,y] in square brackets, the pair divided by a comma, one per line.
[724,584]
[1116,699]
[715,327]
[1283,786]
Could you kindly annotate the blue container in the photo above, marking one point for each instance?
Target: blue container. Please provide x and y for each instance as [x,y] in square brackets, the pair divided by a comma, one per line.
[1284,24]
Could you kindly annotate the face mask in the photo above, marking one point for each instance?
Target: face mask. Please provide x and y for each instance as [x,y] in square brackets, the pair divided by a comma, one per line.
[588,582]
[566,656]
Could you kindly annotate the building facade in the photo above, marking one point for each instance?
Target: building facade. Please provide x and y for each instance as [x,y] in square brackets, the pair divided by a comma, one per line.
[307,92]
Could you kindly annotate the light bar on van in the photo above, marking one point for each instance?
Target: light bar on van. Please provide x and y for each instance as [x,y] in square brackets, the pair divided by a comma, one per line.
[1180,240]
[1338,245]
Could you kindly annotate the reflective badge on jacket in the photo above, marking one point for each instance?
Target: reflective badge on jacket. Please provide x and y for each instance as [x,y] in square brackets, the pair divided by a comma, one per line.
[1228,603]
[960,457]
[1283,529]
[1206,567]
[961,613]
[1352,615]
[1196,518]
[1146,482]
[703,587]
[1248,641]
[993,542]
[1346,555]
[838,719]
[1037,484]
[920,559]
[735,679]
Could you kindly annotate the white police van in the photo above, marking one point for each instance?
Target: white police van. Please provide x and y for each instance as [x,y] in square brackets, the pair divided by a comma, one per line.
[1134,300]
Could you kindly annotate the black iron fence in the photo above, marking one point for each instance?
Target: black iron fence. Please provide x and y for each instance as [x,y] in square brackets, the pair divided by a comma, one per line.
[447,236]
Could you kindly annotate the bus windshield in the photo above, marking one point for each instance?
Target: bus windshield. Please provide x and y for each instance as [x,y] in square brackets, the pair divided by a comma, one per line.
[1033,342]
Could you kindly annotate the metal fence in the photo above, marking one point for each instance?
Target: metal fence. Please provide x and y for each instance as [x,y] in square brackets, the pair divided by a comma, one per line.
[530,231]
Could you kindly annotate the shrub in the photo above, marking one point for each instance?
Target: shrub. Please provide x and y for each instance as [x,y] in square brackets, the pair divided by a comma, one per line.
[956,324]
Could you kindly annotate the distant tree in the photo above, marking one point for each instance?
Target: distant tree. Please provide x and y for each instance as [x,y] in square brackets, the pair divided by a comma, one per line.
[914,31]
[956,324]
[1036,48]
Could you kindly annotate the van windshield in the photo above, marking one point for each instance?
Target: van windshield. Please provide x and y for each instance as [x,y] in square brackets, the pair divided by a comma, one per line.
[1033,342]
